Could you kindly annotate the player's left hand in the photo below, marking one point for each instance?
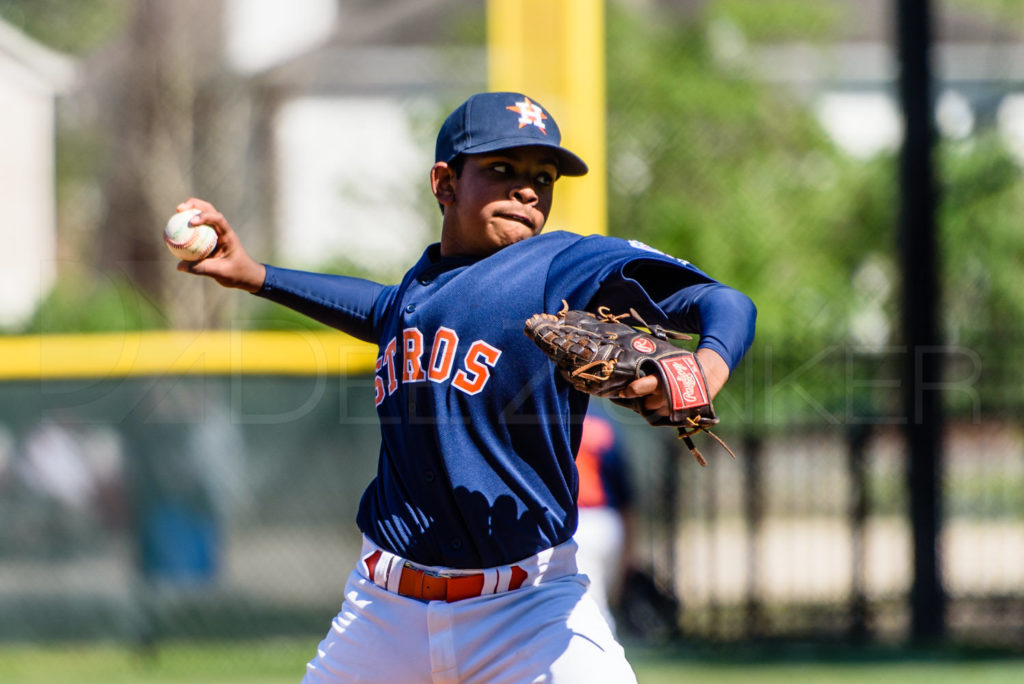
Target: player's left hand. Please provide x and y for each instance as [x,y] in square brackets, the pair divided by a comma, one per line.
[716,372]
[598,354]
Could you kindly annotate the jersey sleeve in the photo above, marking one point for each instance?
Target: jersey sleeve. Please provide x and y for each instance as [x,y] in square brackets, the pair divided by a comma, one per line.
[343,302]
[725,318]
[620,274]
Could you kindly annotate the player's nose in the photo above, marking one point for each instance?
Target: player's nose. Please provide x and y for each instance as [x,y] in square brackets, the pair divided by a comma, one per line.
[525,194]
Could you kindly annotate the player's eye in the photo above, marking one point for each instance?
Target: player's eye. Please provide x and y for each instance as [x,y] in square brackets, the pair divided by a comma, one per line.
[502,168]
[545,179]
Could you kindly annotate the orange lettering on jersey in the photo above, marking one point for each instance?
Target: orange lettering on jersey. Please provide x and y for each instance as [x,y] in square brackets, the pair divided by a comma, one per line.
[389,359]
[412,350]
[378,385]
[475,376]
[442,354]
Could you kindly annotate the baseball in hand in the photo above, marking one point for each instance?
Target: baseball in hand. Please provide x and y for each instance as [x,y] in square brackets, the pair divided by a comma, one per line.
[188,242]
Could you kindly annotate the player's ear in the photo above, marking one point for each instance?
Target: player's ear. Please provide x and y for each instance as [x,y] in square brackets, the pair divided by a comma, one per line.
[441,183]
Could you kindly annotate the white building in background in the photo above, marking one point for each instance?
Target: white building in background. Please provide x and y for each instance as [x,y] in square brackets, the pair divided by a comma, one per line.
[31,78]
[357,90]
[350,176]
[261,34]
[851,82]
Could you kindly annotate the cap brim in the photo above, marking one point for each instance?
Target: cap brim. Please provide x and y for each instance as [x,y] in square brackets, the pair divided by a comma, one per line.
[568,163]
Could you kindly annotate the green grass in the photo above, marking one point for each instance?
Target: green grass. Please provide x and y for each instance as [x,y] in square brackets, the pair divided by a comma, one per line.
[255,663]
[655,669]
[283,661]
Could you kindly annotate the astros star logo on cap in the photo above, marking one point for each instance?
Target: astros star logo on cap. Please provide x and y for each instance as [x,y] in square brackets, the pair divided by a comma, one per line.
[530,114]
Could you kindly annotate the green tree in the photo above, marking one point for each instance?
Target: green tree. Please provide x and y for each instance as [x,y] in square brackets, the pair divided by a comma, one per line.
[738,178]
[709,164]
[76,28]
[983,248]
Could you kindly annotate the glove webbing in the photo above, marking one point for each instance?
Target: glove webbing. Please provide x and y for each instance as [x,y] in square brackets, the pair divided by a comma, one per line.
[605,315]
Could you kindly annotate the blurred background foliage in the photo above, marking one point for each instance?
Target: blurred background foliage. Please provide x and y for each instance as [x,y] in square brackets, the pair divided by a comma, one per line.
[738,178]
[77,28]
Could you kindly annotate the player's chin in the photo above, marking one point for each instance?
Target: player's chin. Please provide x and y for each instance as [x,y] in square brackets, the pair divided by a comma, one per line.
[518,232]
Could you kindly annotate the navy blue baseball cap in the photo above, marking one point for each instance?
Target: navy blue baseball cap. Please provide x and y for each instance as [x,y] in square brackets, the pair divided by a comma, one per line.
[487,122]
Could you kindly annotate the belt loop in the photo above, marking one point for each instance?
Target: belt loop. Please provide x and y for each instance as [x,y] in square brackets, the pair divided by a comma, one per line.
[394,575]
[490,581]
[380,573]
[504,576]
[383,574]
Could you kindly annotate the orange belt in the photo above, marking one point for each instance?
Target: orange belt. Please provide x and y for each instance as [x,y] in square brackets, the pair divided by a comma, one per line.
[428,586]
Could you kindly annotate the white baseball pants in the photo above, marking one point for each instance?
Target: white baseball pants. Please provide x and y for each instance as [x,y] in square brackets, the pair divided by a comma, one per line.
[549,631]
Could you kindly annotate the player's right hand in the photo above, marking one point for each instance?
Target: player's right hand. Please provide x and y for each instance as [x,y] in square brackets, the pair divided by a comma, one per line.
[230,265]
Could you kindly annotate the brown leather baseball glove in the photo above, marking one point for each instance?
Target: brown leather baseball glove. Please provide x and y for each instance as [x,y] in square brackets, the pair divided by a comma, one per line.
[600,355]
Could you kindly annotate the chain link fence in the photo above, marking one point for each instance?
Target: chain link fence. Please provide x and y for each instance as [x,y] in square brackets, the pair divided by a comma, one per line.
[181,507]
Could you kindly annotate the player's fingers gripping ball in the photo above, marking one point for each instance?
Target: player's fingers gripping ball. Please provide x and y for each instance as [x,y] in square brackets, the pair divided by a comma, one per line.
[601,355]
[188,242]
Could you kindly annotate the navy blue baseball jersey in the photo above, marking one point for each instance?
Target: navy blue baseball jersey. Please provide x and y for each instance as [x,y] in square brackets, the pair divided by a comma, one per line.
[478,430]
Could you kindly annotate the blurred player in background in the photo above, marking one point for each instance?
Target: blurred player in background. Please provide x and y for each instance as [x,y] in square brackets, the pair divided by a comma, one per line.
[605,500]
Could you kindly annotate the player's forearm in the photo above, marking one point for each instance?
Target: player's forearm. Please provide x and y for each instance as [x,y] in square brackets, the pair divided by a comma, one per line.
[716,370]
[725,319]
[341,302]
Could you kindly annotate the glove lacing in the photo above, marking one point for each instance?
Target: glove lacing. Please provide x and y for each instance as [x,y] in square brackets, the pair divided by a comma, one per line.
[607,366]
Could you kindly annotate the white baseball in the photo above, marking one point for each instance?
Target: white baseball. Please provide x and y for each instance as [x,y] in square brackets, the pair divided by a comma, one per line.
[188,242]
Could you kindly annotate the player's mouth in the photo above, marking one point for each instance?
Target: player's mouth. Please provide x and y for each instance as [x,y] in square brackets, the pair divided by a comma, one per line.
[518,218]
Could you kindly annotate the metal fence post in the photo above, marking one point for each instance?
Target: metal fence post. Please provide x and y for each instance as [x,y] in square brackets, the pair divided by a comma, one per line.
[753,513]
[923,367]
[857,437]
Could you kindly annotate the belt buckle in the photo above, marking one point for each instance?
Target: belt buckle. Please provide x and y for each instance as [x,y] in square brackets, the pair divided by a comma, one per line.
[432,585]
[425,571]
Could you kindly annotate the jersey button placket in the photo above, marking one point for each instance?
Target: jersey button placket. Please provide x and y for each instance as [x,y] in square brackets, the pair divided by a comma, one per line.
[410,308]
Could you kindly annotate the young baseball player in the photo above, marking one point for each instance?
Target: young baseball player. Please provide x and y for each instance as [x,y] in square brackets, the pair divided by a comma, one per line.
[468,568]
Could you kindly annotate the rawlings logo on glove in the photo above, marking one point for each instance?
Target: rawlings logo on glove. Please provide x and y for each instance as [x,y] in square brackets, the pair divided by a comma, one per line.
[601,355]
